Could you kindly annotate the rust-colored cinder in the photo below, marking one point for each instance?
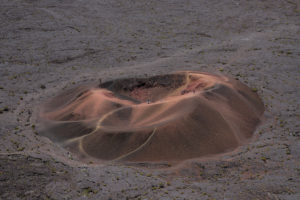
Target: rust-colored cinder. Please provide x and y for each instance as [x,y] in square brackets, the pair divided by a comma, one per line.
[162,118]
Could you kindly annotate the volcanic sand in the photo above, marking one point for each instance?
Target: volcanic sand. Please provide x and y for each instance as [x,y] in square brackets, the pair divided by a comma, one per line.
[162,118]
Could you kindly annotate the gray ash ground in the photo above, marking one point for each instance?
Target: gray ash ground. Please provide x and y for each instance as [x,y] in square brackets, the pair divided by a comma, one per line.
[49,46]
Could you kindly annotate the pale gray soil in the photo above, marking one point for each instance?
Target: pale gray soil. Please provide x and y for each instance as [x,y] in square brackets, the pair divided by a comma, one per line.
[49,46]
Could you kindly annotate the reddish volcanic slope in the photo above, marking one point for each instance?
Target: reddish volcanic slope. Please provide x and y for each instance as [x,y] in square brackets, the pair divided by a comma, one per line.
[162,118]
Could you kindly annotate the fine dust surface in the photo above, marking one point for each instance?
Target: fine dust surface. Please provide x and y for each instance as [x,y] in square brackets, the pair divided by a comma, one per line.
[161,118]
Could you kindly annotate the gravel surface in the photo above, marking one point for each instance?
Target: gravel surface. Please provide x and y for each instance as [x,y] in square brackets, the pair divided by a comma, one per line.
[50,46]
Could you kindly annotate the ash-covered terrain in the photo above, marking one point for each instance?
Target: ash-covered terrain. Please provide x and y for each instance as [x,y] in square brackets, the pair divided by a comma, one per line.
[48,47]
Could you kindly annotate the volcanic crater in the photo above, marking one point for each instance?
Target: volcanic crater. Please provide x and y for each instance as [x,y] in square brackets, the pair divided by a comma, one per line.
[171,117]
